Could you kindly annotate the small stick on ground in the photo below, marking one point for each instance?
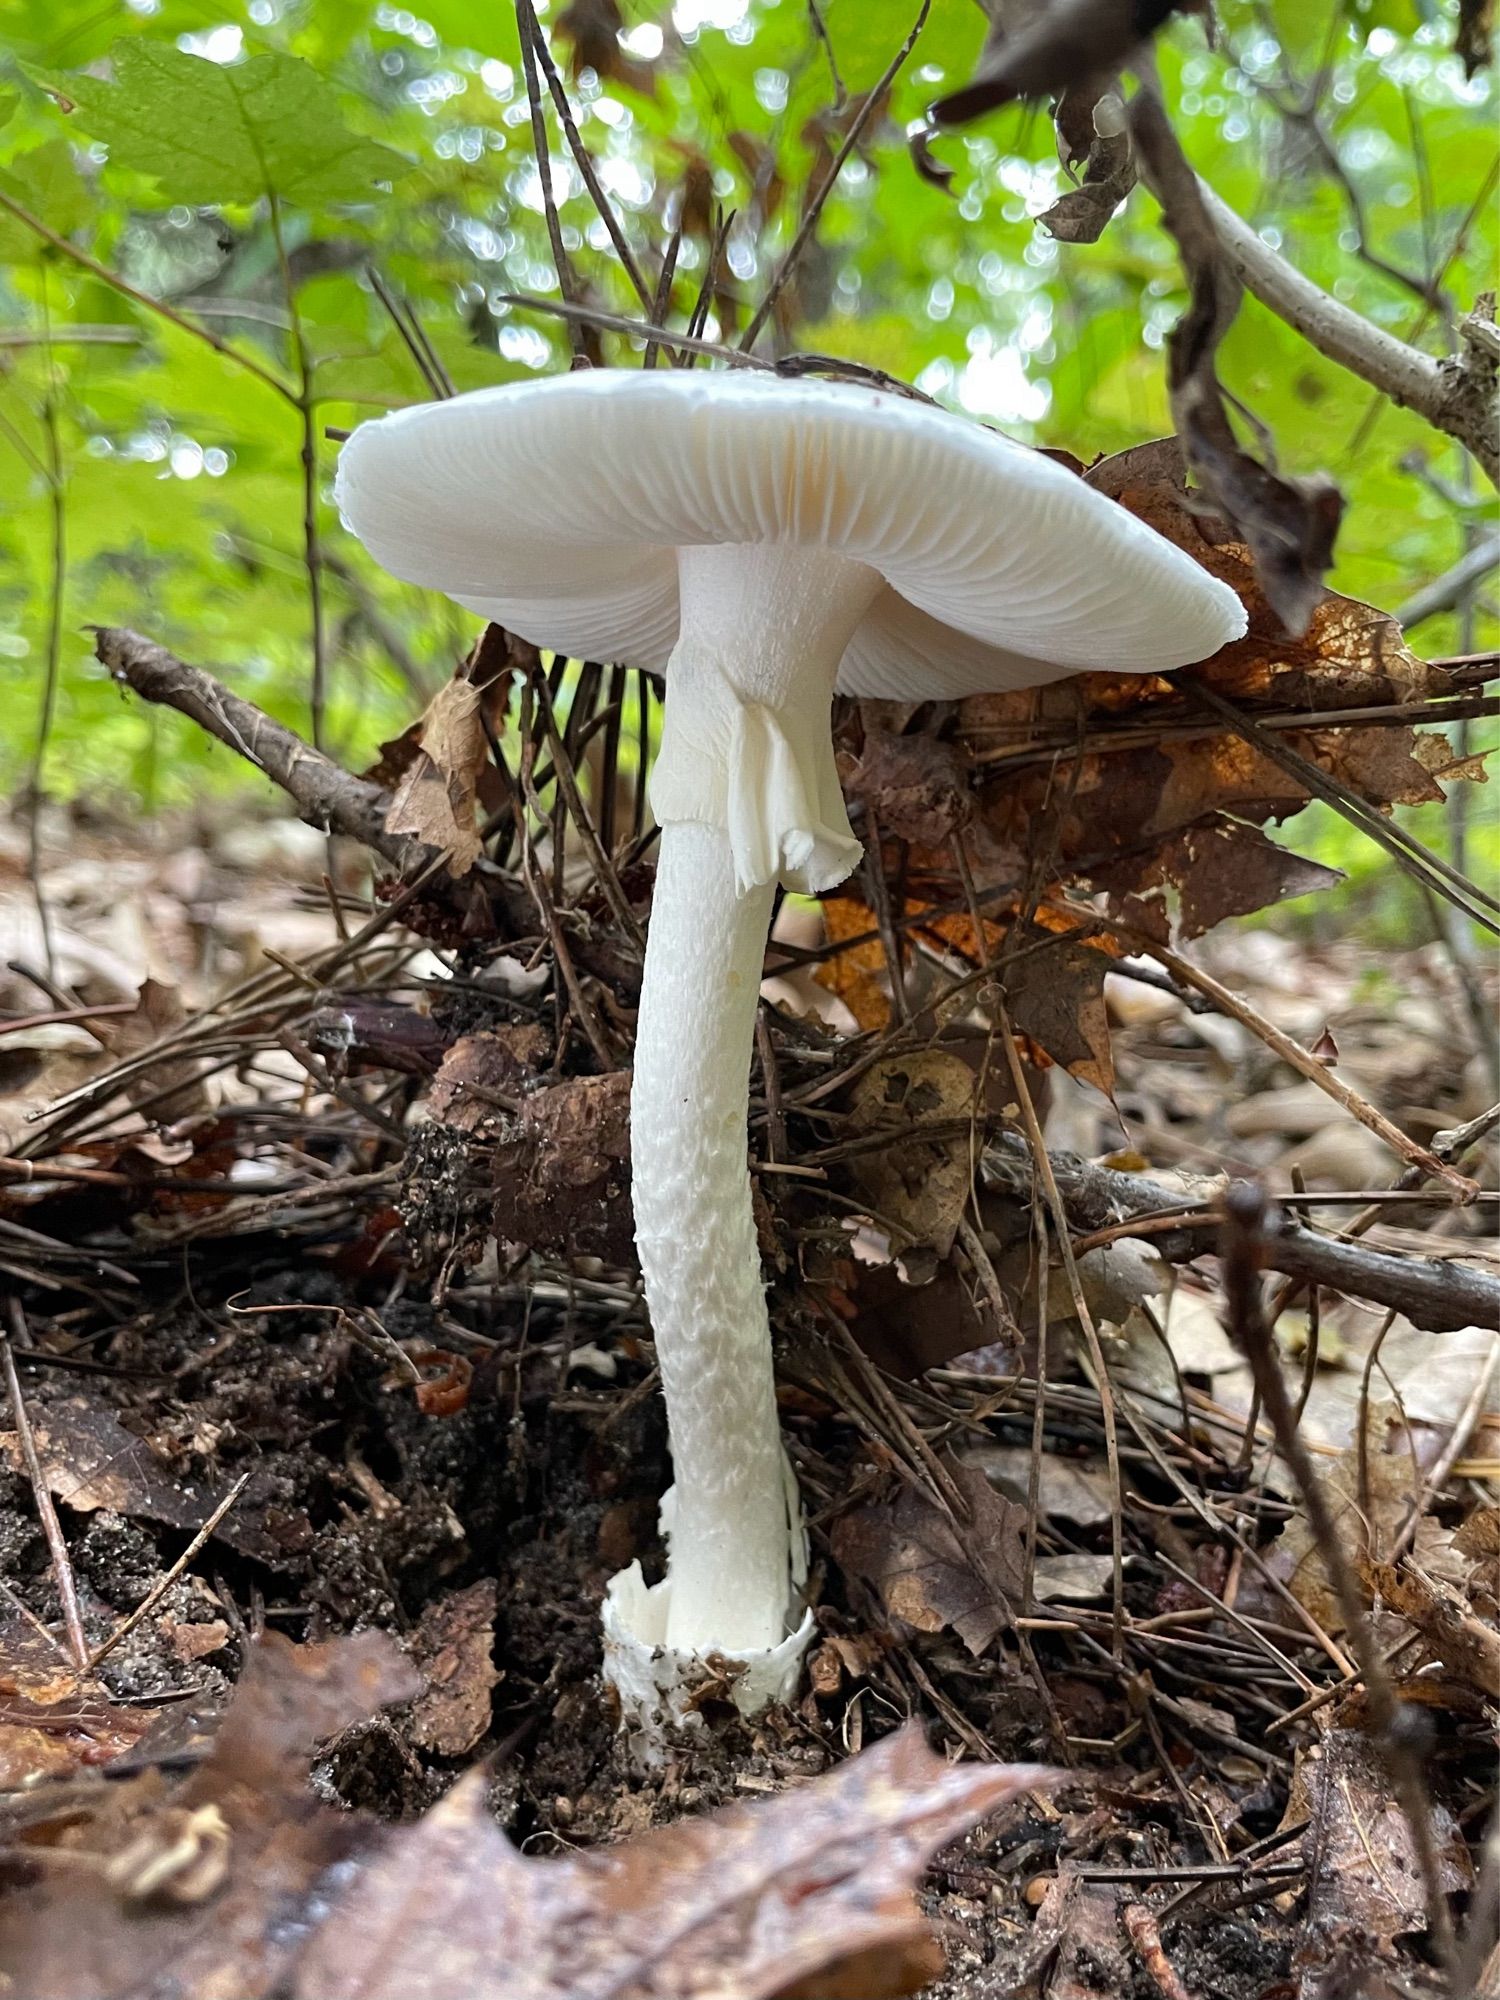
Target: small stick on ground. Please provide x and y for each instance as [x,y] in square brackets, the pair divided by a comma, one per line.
[57,1548]
[1300,1059]
[1141,1929]
[164,1582]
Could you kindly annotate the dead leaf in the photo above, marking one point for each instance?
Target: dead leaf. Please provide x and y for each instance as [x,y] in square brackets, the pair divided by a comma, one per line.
[198,1642]
[91,1460]
[482,1074]
[1466,1646]
[1369,1494]
[1479,1536]
[918,1185]
[906,1327]
[1364,1880]
[742,1905]
[932,1570]
[227,1924]
[159,1008]
[1078,1927]
[54,1721]
[562,1175]
[1090,122]
[1054,984]
[917,786]
[1219,868]
[1068,1489]
[436,798]
[453,1650]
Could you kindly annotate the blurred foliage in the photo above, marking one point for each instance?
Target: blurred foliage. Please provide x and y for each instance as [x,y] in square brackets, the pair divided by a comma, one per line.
[251,162]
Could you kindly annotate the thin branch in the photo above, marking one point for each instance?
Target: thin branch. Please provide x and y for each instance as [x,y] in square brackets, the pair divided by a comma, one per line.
[144,299]
[1436,1294]
[526,22]
[584,162]
[1448,591]
[1451,398]
[327,796]
[165,1581]
[809,220]
[52,669]
[62,1568]
[311,555]
[634,329]
[414,336]
[75,336]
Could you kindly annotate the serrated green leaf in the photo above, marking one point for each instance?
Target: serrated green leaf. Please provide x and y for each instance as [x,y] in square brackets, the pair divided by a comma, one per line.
[212,133]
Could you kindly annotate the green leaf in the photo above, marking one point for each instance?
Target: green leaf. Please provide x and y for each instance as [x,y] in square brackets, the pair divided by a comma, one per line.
[46,182]
[208,132]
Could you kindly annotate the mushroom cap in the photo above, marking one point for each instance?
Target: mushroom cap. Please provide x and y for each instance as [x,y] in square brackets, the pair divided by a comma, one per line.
[556,508]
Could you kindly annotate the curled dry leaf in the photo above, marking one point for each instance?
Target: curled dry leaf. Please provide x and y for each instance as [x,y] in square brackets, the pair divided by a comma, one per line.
[1090,122]
[1036,52]
[937,173]
[436,798]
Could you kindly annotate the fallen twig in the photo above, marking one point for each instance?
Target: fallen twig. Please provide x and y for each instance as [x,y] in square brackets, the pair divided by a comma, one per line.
[1435,1294]
[57,1547]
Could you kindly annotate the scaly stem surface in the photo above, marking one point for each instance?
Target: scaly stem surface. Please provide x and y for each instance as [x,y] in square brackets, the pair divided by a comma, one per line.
[696,1234]
[747,794]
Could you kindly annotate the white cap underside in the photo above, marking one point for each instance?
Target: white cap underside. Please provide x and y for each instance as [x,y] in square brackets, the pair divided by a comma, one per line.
[556,508]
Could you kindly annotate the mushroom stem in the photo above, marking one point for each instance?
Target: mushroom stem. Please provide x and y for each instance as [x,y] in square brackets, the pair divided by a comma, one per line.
[747,795]
[695,1230]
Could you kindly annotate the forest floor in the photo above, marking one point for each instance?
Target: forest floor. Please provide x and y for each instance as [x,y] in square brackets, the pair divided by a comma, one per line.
[256,1283]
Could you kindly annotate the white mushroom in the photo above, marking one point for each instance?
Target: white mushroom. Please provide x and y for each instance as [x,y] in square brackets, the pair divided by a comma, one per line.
[765,541]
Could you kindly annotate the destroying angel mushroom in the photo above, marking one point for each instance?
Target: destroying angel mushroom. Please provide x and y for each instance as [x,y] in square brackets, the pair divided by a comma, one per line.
[764,541]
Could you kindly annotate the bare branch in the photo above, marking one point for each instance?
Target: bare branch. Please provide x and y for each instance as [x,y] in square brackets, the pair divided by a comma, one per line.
[1456,398]
[1435,1294]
